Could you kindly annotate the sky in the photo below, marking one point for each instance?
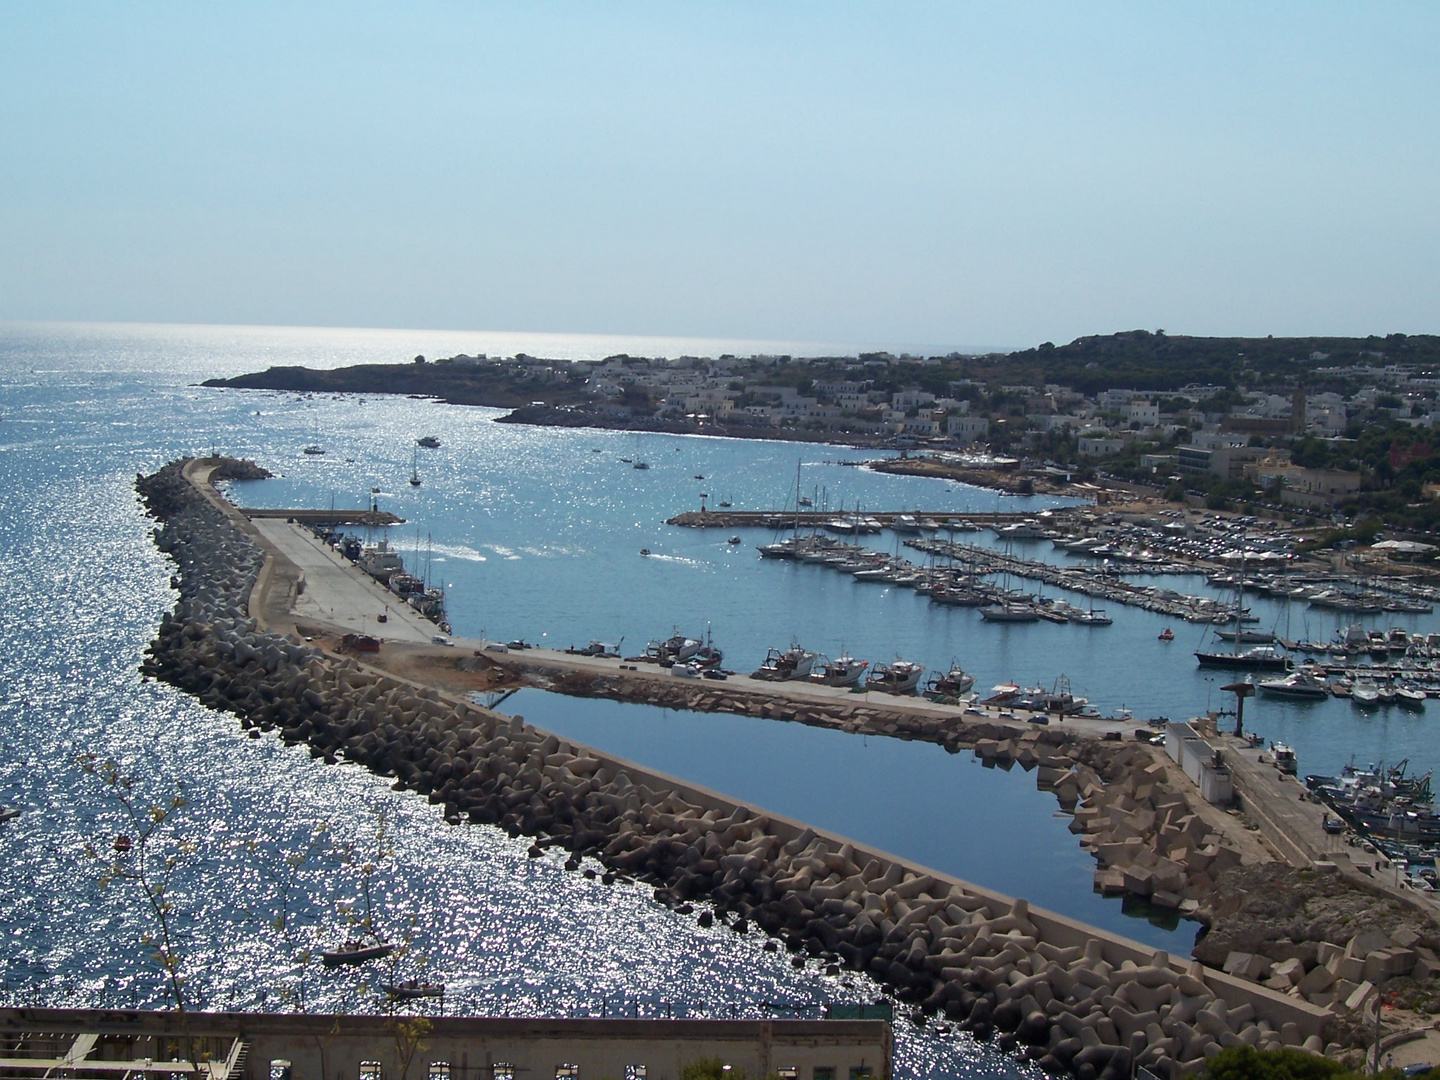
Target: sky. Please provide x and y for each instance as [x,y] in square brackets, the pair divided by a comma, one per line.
[892,174]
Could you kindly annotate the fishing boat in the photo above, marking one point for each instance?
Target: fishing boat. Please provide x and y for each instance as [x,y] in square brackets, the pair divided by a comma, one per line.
[949,686]
[842,671]
[1299,685]
[430,442]
[898,677]
[356,952]
[792,663]
[1166,635]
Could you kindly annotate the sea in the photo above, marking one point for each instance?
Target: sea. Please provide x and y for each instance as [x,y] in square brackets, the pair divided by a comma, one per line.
[534,533]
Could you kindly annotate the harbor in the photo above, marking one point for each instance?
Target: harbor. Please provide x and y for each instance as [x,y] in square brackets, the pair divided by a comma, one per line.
[1107,817]
[770,857]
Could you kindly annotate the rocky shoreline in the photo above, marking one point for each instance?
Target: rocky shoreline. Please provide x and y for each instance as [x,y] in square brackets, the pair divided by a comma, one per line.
[1078,1001]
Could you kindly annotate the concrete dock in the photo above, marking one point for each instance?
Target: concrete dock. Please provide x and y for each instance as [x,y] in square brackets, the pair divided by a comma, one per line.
[337,592]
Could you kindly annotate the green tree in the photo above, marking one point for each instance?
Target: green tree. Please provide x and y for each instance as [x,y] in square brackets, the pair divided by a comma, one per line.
[1247,1063]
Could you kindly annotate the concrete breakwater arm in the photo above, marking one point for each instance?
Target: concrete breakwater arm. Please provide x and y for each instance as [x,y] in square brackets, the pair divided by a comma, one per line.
[1078,998]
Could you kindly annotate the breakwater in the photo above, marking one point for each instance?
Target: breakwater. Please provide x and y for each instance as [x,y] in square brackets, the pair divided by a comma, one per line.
[1078,999]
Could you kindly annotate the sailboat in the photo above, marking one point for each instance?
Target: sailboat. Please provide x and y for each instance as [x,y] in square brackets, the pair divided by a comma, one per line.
[1257,658]
[415,470]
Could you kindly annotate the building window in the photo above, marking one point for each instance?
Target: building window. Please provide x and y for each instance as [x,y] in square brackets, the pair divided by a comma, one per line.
[634,1072]
[279,1069]
[567,1072]
[440,1070]
[370,1070]
[502,1070]
[824,1072]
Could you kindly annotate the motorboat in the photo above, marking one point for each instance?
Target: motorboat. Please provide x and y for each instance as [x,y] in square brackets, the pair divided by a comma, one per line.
[1166,635]
[1299,685]
[842,671]
[1365,693]
[1385,692]
[8,812]
[356,952]
[1408,696]
[898,677]
[314,451]
[430,442]
[1284,757]
[792,663]
[906,523]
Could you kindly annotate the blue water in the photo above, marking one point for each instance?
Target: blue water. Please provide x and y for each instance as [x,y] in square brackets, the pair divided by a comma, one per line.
[534,534]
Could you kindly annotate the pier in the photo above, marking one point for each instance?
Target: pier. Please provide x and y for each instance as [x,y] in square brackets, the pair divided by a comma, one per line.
[373,518]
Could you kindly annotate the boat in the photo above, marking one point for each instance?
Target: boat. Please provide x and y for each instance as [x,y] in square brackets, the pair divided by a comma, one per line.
[1408,696]
[793,663]
[842,671]
[1010,612]
[1166,635]
[1299,685]
[314,451]
[430,442]
[1284,758]
[414,989]
[906,523]
[640,465]
[1256,658]
[8,812]
[356,952]
[415,470]
[1247,637]
[733,540]
[1365,694]
[958,596]
[1385,692]
[644,551]
[898,677]
[1094,617]
[949,686]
